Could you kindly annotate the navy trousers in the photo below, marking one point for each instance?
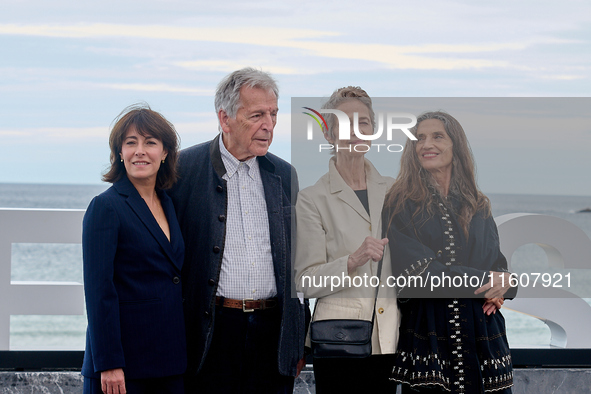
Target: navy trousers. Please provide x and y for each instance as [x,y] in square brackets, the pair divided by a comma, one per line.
[243,355]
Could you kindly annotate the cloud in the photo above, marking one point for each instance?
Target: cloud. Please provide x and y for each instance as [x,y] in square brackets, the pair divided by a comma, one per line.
[198,128]
[140,87]
[396,56]
[306,40]
[563,77]
[229,66]
[54,133]
[273,36]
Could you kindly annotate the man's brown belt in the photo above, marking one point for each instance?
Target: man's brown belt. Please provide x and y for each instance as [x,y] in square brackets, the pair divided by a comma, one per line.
[247,305]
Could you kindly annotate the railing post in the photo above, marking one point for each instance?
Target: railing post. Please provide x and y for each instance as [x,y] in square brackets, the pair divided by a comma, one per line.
[36,298]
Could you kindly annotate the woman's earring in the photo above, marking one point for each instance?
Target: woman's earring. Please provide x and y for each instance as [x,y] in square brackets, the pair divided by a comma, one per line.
[121,160]
[162,161]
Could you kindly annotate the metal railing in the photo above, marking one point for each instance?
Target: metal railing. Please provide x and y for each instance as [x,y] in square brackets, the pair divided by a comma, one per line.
[566,246]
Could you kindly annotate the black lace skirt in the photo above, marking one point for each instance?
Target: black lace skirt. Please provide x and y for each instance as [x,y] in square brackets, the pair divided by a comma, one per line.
[452,344]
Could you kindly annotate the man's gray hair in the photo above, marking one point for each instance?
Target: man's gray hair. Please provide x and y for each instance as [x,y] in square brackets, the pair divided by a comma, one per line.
[227,94]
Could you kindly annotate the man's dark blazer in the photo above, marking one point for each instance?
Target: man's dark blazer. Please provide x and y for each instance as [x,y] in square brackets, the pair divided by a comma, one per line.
[132,287]
[201,202]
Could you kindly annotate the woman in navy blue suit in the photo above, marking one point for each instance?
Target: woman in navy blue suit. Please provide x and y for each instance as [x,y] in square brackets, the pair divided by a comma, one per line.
[133,253]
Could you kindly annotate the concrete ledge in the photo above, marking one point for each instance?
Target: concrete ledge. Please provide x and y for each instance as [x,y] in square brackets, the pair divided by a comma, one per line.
[527,381]
[534,380]
[40,382]
[555,380]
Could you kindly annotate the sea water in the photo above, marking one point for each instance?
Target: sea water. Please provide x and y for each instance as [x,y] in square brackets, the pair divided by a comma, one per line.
[63,262]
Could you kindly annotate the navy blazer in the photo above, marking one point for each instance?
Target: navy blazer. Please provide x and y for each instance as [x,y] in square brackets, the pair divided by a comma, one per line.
[132,286]
[200,198]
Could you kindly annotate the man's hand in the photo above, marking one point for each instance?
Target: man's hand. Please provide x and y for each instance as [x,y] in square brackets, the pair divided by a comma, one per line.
[113,381]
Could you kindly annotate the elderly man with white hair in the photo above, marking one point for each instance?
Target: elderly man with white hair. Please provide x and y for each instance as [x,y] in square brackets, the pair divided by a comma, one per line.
[245,330]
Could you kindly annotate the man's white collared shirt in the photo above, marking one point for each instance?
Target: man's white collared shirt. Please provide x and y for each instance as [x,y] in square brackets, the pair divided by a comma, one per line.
[247,264]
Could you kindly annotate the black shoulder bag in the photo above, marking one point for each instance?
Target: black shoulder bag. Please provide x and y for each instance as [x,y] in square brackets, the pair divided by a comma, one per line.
[343,338]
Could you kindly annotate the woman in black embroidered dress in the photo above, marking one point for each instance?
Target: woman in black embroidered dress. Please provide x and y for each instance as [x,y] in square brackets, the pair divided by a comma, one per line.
[439,224]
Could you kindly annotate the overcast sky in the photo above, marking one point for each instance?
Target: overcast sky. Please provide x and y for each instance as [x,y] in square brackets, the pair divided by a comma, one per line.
[68,68]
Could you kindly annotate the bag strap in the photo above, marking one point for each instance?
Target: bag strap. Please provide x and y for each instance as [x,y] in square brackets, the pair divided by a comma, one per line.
[375,301]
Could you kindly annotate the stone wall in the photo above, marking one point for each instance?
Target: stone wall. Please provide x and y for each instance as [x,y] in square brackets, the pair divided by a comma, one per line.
[534,380]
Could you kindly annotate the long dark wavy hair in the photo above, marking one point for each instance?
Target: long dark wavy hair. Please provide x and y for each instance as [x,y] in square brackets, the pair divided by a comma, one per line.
[415,184]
